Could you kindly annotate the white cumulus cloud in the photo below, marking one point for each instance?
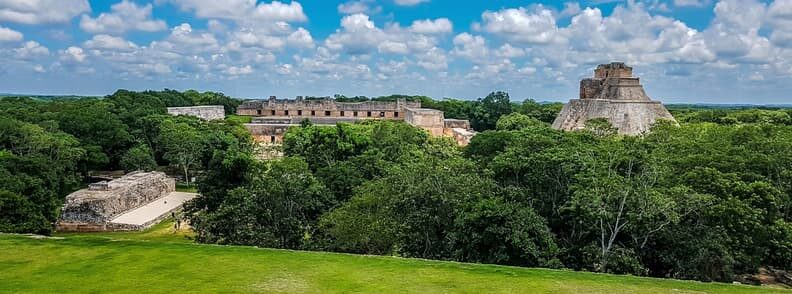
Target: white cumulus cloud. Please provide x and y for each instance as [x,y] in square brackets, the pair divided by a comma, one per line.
[109,42]
[30,50]
[73,54]
[522,25]
[359,6]
[428,26]
[409,2]
[9,35]
[244,10]
[41,11]
[124,16]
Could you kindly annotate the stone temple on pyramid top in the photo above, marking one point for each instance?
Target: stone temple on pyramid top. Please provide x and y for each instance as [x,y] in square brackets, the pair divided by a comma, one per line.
[615,95]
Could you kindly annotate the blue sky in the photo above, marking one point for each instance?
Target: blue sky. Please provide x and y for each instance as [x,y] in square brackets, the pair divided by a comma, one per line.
[730,51]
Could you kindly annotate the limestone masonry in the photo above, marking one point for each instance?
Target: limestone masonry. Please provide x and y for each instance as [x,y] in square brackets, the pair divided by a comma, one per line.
[274,116]
[613,94]
[205,112]
[94,208]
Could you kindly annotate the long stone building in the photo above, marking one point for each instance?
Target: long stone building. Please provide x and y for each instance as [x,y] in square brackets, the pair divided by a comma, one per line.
[615,95]
[205,112]
[132,202]
[274,116]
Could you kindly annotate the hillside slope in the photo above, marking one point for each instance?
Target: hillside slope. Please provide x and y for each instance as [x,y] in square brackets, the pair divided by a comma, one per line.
[161,261]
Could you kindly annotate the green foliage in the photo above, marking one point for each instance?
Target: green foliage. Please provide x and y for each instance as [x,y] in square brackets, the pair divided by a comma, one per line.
[239,119]
[516,121]
[600,127]
[742,116]
[19,215]
[210,98]
[436,205]
[278,208]
[700,201]
[37,169]
[349,154]
[708,199]
[484,113]
[139,157]
[181,145]
[501,232]
[48,147]
[542,112]
[490,109]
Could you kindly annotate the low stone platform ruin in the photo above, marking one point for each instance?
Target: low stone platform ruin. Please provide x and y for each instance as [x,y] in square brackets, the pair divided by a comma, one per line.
[133,202]
[615,95]
[204,112]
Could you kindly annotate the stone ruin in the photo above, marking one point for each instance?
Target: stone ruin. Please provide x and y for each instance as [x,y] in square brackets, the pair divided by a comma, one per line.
[434,122]
[204,112]
[94,208]
[615,95]
[272,118]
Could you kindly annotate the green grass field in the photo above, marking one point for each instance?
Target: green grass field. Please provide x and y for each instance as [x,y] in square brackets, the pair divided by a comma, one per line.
[161,260]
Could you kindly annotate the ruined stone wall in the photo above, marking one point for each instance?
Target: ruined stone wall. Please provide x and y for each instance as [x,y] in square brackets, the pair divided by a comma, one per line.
[450,123]
[326,108]
[268,133]
[459,130]
[590,88]
[629,117]
[274,117]
[100,203]
[622,89]
[613,70]
[460,135]
[206,112]
[428,119]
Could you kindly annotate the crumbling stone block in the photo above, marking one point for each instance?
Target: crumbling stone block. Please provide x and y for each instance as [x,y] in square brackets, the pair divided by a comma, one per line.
[94,207]
[205,112]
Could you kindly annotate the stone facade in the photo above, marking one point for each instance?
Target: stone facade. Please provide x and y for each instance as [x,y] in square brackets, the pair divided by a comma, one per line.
[93,208]
[430,120]
[459,129]
[275,116]
[613,94]
[325,108]
[205,112]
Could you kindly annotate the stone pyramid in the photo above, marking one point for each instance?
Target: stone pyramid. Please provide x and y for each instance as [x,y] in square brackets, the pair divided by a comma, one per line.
[613,94]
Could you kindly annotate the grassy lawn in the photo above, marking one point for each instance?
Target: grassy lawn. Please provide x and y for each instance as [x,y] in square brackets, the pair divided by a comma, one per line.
[162,260]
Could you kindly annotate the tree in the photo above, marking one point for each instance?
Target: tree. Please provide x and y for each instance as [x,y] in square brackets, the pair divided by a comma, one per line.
[19,215]
[498,231]
[99,130]
[542,112]
[489,109]
[620,193]
[37,169]
[228,169]
[600,127]
[182,146]
[138,157]
[516,121]
[279,208]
